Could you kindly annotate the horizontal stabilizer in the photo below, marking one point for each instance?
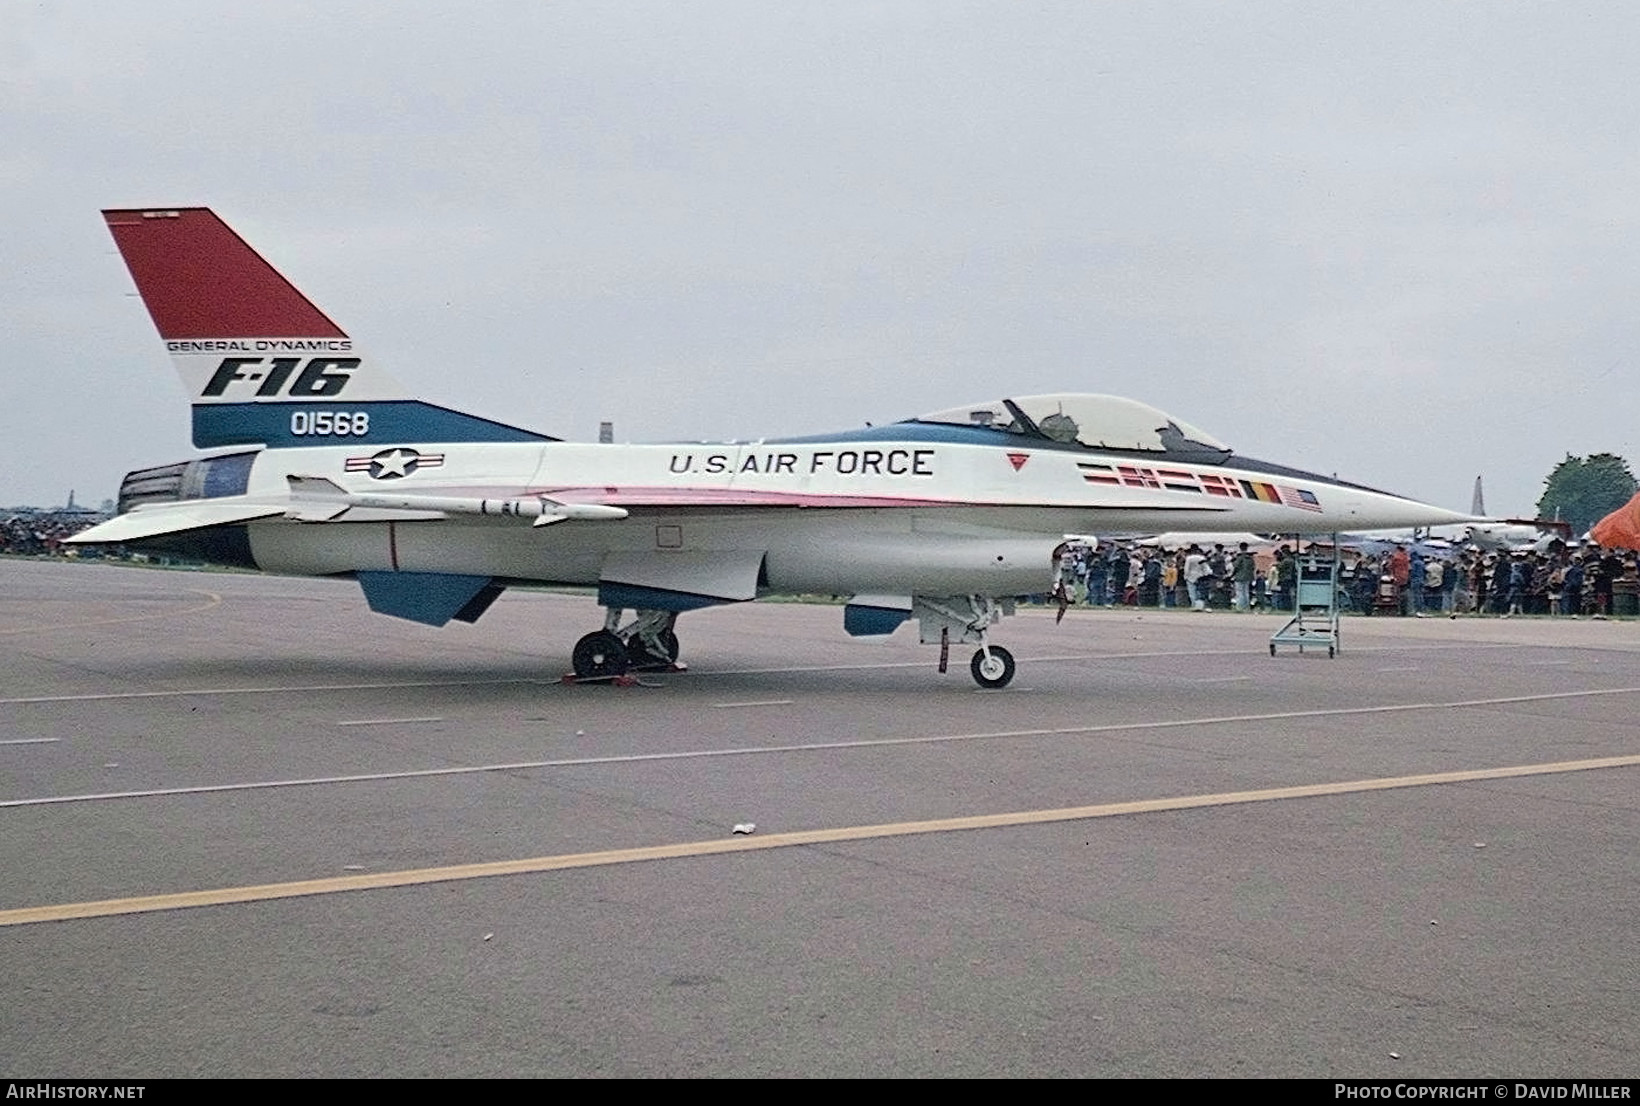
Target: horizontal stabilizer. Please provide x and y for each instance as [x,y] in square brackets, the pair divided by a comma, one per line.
[172,518]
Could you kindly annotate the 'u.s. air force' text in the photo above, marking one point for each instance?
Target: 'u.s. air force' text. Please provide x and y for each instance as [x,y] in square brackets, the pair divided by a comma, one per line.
[843,462]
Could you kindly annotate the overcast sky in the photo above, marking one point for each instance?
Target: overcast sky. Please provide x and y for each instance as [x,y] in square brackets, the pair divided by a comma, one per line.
[1396,241]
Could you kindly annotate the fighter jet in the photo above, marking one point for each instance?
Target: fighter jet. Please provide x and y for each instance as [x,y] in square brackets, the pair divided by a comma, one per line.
[1509,535]
[1516,535]
[321,464]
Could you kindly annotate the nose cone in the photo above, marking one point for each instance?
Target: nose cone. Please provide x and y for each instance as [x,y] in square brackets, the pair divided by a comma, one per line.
[1359,509]
[1339,505]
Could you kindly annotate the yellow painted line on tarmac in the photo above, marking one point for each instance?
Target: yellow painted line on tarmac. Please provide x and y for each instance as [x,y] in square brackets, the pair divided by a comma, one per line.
[211,597]
[372,881]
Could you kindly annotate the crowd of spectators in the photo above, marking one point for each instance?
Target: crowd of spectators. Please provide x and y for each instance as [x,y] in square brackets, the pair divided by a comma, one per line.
[1560,581]
[41,533]
[1557,581]
[1121,573]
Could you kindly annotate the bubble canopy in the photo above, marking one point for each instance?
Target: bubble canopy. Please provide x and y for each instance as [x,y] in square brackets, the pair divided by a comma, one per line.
[1093,421]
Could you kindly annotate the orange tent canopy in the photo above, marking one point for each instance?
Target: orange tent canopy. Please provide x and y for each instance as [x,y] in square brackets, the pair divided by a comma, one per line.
[1620,529]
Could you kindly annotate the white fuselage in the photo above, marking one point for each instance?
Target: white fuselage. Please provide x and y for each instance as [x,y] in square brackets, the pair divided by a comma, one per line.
[843,517]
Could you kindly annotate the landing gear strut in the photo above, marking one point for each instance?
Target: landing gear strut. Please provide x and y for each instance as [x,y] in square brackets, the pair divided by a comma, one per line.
[650,640]
[647,644]
[966,618]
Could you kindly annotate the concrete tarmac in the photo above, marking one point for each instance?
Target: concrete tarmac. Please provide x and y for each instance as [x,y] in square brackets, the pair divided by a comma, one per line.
[253,829]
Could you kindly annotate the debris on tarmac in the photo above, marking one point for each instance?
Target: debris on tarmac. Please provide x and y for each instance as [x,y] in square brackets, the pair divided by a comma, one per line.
[745,827]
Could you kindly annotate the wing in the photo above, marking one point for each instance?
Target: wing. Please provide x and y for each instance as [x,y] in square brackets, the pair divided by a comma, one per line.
[173,518]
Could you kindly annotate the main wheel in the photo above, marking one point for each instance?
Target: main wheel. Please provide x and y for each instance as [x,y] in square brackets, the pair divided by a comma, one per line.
[599,655]
[993,669]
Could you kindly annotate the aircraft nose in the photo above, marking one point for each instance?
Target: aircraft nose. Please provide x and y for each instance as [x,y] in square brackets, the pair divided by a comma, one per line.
[1381,511]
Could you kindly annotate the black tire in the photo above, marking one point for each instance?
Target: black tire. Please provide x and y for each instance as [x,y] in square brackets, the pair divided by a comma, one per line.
[599,655]
[994,672]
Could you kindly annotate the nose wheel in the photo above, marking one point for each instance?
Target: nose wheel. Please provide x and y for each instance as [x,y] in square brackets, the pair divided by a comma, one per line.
[992,667]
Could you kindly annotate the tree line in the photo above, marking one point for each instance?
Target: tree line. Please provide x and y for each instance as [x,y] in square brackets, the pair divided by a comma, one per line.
[1583,490]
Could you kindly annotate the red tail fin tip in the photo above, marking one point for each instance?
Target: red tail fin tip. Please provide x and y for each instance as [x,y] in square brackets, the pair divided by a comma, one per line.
[199,279]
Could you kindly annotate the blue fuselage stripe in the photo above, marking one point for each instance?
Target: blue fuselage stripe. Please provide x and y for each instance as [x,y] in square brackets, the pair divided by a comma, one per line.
[385,422]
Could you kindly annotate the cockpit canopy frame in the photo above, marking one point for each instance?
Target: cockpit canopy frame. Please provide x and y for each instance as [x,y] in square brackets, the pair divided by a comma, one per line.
[1091,421]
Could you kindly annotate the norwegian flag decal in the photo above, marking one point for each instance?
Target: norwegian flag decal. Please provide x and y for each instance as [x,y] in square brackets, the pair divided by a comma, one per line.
[1018,460]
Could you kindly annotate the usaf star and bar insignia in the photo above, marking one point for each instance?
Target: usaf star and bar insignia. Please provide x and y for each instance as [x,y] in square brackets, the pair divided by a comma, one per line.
[394,464]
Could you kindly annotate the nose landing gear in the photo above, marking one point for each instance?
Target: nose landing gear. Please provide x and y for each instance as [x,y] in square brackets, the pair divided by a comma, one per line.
[967,618]
[992,667]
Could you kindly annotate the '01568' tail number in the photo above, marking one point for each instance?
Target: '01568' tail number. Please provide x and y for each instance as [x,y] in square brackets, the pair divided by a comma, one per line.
[334,423]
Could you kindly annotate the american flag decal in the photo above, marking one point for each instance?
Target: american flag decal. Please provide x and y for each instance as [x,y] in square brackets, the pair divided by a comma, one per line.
[1298,497]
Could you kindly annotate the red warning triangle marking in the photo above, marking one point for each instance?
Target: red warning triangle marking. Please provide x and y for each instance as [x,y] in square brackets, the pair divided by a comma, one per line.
[1018,460]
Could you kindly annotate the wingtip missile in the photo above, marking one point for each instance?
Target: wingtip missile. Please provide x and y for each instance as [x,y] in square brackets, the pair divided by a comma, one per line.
[318,494]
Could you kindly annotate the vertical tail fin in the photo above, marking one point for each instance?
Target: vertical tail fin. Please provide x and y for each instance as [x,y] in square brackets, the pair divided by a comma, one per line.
[262,364]
[1477,505]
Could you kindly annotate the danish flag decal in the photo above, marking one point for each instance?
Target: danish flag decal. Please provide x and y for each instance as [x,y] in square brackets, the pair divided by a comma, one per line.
[1018,460]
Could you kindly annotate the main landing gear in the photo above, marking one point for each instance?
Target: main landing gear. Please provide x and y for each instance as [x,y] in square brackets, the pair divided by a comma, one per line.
[966,619]
[647,644]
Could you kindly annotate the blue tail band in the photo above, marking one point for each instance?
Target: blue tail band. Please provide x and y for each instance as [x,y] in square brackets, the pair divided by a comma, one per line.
[379,422]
